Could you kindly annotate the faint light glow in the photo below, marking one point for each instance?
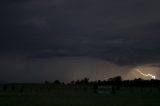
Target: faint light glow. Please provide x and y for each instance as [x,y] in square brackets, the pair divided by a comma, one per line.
[146,75]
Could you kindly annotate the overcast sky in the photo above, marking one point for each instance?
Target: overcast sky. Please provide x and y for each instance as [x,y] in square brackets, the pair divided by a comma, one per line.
[57,39]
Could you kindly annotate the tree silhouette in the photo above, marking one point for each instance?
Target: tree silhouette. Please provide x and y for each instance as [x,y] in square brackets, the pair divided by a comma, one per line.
[116,82]
[117,78]
[56,82]
[4,87]
[85,81]
[46,82]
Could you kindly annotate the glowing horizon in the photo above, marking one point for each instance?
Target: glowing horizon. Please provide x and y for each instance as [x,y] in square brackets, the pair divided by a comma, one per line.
[146,75]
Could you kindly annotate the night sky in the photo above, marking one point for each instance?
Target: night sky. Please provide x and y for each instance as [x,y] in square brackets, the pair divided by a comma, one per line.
[72,39]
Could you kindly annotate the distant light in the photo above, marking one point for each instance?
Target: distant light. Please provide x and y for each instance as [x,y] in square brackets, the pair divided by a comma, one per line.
[146,75]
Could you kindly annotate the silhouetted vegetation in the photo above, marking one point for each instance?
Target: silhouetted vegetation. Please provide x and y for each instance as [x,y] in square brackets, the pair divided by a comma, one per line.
[4,87]
[118,82]
[56,91]
[115,82]
[56,82]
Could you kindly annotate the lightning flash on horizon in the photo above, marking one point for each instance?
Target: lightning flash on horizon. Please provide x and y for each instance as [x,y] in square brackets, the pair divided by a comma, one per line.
[146,75]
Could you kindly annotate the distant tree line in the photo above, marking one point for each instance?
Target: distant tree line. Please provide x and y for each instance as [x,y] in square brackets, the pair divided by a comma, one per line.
[115,82]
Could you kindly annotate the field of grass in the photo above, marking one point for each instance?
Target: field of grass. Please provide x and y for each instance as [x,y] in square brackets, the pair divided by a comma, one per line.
[78,96]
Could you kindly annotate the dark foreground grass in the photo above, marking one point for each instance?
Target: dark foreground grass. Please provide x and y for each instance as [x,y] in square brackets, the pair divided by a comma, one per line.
[81,97]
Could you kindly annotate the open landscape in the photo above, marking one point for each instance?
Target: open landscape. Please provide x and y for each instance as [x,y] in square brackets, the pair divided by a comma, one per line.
[79,52]
[76,95]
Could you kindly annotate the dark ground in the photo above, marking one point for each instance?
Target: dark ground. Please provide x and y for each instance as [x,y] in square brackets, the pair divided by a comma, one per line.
[69,95]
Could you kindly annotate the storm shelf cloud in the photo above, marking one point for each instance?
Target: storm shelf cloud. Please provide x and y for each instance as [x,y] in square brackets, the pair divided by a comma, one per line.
[123,33]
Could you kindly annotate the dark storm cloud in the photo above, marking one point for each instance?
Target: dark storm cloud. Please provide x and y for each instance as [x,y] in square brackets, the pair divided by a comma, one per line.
[20,69]
[123,32]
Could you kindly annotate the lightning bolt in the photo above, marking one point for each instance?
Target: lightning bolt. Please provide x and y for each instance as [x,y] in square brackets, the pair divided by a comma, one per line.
[146,75]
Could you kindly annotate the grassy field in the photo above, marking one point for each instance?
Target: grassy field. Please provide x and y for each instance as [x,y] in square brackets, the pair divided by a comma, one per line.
[77,96]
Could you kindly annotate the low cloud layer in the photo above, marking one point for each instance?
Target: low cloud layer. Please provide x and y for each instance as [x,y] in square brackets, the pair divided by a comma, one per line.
[20,69]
